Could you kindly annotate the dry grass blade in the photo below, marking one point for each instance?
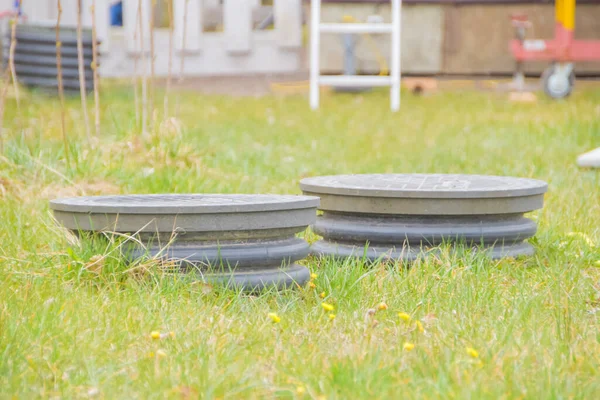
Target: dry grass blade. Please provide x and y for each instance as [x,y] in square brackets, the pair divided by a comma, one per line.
[135,75]
[183,42]
[82,88]
[48,167]
[11,57]
[144,74]
[5,85]
[61,91]
[170,64]
[58,229]
[152,60]
[183,49]
[95,69]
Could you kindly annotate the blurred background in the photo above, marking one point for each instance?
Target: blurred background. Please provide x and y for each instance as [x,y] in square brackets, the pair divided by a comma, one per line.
[439,37]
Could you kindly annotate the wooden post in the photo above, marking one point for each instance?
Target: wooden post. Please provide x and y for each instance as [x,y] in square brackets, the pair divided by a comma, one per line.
[39,10]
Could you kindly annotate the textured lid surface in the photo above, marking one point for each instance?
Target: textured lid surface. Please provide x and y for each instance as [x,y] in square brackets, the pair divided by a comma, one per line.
[427,186]
[183,203]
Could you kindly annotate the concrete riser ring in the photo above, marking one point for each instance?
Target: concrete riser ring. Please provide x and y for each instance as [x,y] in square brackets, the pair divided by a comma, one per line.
[405,237]
[251,264]
[227,255]
[424,230]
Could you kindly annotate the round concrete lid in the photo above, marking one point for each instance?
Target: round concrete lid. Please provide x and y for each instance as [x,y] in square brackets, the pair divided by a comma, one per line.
[169,204]
[425,186]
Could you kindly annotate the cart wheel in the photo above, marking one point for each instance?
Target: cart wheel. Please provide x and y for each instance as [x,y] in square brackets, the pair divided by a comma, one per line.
[557,84]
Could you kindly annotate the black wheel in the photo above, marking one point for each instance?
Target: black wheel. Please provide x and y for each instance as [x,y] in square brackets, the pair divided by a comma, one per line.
[557,85]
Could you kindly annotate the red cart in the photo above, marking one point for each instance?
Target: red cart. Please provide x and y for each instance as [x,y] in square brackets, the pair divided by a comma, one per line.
[562,51]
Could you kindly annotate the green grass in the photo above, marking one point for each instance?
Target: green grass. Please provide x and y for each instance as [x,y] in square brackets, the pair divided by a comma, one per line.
[68,332]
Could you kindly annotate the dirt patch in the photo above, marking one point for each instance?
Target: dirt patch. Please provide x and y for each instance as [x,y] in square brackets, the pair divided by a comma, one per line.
[238,86]
[93,188]
[298,83]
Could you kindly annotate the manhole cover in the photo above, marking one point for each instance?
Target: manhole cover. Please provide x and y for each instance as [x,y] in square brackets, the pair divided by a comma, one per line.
[182,203]
[435,186]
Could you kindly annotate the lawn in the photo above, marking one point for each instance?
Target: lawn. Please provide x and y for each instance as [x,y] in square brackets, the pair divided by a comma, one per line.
[527,328]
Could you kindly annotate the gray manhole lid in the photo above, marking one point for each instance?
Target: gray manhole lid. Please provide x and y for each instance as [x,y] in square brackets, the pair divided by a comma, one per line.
[183,203]
[433,186]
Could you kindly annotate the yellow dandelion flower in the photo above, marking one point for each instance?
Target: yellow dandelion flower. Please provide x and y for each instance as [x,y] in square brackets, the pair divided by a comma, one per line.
[404,316]
[327,307]
[151,354]
[300,390]
[30,361]
[312,285]
[382,306]
[408,346]
[172,334]
[322,295]
[161,353]
[313,276]
[274,317]
[472,352]
[420,326]
[331,317]
[155,335]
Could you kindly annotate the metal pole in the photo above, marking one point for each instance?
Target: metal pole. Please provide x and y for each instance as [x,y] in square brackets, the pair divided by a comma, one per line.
[315,20]
[349,40]
[396,54]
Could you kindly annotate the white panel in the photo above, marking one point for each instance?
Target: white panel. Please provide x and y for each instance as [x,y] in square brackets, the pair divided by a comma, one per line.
[214,59]
[356,28]
[6,4]
[69,13]
[86,13]
[315,43]
[131,22]
[187,16]
[396,54]
[355,80]
[288,22]
[38,11]
[237,18]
